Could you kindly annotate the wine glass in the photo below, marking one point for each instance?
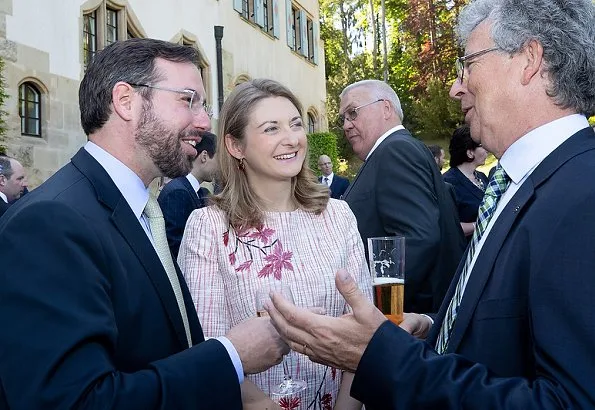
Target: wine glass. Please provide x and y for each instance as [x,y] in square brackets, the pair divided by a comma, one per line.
[289,386]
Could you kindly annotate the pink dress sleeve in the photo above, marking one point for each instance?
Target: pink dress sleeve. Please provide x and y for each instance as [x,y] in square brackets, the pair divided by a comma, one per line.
[198,260]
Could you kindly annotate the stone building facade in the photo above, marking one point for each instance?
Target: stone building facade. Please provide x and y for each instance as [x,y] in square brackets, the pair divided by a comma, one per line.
[46,45]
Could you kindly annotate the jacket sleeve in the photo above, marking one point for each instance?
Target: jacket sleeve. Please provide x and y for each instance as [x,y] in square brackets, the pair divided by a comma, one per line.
[59,343]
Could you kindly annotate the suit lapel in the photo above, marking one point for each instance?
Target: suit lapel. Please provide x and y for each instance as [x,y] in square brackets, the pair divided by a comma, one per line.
[468,185]
[485,261]
[126,223]
[192,192]
[582,141]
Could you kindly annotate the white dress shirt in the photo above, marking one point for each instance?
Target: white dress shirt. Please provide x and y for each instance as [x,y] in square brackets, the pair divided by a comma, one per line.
[383,137]
[193,181]
[329,179]
[3,197]
[136,195]
[524,155]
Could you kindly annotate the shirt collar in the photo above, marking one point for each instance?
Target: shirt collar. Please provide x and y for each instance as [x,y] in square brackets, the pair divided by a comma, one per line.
[130,185]
[193,181]
[527,152]
[4,197]
[383,137]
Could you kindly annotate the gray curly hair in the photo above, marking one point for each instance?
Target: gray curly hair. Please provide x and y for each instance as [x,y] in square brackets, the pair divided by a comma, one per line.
[564,28]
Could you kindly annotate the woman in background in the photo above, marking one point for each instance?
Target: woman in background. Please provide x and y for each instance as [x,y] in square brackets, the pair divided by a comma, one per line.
[469,184]
[272,221]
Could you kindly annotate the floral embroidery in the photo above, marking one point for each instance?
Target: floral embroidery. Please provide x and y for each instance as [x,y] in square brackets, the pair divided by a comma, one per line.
[289,403]
[327,402]
[259,239]
[333,373]
[277,260]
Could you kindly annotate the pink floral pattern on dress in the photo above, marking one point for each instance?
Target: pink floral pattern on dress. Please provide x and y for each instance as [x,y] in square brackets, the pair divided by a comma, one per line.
[327,402]
[289,403]
[259,240]
[277,261]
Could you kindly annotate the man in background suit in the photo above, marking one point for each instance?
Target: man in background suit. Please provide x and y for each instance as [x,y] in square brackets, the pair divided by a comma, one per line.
[523,333]
[101,317]
[438,154]
[183,195]
[337,184]
[13,182]
[399,190]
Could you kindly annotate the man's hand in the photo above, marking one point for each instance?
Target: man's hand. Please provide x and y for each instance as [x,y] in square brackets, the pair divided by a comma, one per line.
[258,344]
[335,341]
[416,325]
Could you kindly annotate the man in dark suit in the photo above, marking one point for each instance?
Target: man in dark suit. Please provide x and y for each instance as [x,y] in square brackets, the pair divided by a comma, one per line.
[182,195]
[13,182]
[399,190]
[101,317]
[522,335]
[337,184]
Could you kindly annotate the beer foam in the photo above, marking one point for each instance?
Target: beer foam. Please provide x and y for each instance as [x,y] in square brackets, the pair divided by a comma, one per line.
[387,281]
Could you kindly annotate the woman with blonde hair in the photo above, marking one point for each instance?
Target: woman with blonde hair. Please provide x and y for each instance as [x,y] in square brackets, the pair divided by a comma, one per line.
[272,222]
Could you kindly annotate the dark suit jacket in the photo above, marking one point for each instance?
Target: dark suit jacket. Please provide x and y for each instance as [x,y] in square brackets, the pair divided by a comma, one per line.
[468,196]
[338,186]
[3,206]
[399,190]
[177,201]
[525,330]
[91,321]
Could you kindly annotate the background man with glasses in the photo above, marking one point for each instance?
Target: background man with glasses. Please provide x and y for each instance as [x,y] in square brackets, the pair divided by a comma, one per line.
[399,190]
[516,329]
[100,316]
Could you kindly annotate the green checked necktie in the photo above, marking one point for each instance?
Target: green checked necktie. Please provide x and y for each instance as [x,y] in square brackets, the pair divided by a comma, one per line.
[157,226]
[494,191]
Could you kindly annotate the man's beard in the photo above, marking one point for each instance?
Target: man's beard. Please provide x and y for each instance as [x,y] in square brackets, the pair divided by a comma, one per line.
[163,145]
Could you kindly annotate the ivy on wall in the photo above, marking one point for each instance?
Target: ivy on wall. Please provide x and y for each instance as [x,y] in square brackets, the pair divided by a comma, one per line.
[322,143]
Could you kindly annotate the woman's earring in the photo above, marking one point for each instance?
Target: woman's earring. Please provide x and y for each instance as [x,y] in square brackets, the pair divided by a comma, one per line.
[241,165]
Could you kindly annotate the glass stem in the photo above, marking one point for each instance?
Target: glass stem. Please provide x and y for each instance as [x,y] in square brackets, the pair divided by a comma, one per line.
[286,368]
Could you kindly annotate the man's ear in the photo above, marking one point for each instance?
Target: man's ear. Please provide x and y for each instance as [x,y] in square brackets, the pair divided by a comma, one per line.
[123,99]
[234,147]
[3,180]
[533,53]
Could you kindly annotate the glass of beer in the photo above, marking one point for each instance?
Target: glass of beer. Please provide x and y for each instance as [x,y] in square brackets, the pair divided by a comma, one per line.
[386,256]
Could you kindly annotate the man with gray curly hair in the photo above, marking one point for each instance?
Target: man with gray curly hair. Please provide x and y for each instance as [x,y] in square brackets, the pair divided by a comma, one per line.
[516,328]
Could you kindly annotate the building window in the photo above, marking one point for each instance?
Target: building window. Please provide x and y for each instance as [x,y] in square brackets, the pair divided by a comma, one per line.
[260,12]
[30,109]
[311,123]
[310,46]
[302,32]
[295,28]
[111,26]
[105,24]
[89,36]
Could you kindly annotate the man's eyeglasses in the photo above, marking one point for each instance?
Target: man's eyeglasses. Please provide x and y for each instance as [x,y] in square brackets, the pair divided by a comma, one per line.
[351,114]
[195,107]
[460,61]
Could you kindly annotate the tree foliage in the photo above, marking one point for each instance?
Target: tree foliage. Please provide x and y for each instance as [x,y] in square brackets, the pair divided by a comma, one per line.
[421,52]
[322,143]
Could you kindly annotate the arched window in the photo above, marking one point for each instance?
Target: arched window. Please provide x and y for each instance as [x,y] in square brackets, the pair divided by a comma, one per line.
[30,109]
[311,123]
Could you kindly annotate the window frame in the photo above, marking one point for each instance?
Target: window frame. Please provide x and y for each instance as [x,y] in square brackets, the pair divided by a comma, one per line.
[24,111]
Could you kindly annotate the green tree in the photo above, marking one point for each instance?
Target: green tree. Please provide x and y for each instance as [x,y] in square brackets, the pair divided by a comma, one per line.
[435,114]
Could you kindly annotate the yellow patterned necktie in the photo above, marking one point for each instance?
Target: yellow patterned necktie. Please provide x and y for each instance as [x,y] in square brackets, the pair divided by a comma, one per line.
[157,226]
